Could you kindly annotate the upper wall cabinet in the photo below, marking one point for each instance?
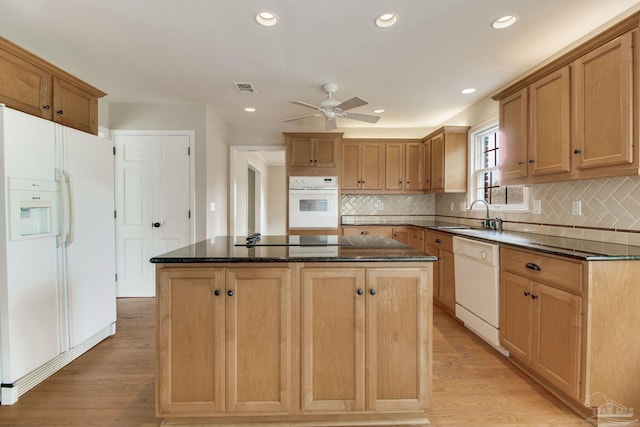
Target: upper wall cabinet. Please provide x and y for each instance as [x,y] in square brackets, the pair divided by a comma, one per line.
[313,153]
[362,166]
[403,168]
[575,117]
[32,85]
[448,159]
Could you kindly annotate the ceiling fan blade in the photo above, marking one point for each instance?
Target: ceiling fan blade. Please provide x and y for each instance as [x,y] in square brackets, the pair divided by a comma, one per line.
[351,103]
[363,117]
[304,104]
[330,124]
[302,117]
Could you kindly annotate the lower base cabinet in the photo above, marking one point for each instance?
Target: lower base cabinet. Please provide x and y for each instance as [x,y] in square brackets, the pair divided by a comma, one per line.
[444,286]
[294,343]
[364,339]
[223,341]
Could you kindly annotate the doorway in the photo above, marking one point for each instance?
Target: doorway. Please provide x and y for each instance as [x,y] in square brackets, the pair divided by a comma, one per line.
[253,208]
[154,203]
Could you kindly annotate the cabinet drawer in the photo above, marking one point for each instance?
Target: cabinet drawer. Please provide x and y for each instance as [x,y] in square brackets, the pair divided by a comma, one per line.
[366,231]
[438,240]
[562,273]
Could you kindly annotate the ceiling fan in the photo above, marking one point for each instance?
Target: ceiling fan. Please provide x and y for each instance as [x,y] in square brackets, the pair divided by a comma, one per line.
[331,108]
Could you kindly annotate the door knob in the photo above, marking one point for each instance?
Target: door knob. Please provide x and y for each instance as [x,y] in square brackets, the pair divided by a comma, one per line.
[155,225]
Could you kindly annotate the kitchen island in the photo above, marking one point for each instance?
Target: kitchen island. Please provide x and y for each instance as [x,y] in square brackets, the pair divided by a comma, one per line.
[302,330]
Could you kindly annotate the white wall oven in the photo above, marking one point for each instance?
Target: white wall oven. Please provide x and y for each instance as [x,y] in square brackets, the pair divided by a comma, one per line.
[313,202]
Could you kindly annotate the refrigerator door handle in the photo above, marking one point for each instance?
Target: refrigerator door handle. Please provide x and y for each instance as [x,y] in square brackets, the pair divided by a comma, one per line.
[63,221]
[70,229]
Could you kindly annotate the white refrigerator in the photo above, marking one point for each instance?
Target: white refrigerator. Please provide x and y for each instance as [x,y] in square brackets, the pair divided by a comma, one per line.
[57,248]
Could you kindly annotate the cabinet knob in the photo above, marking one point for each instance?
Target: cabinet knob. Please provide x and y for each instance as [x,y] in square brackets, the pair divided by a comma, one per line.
[315,160]
[526,294]
[46,107]
[533,296]
[60,112]
[217,292]
[364,233]
[372,291]
[399,182]
[155,225]
[360,292]
[521,162]
[230,292]
[310,160]
[438,241]
[576,151]
[531,161]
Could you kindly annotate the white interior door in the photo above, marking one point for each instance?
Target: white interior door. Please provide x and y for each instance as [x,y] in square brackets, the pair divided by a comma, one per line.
[153,201]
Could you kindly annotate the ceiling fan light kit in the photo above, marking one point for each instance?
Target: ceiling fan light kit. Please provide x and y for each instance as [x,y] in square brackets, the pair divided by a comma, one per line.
[330,109]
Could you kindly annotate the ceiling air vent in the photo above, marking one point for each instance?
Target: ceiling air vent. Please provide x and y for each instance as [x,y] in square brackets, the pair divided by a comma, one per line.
[245,87]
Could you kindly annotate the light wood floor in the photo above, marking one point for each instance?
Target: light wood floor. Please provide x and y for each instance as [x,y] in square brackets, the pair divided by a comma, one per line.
[113,384]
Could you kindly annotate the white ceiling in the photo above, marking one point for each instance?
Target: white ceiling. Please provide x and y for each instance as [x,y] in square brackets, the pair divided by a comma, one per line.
[191,51]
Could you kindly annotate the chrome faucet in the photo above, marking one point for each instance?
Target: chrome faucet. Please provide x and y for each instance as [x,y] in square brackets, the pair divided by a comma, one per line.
[488,222]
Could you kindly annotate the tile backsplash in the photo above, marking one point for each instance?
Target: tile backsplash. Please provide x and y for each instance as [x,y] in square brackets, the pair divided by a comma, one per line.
[388,204]
[610,209]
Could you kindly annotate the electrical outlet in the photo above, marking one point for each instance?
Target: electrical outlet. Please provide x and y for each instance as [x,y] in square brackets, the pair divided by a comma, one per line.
[453,206]
[537,207]
[212,206]
[576,207]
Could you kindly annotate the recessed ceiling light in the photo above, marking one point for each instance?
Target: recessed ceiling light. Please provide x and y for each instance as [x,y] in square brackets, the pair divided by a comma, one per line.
[468,90]
[504,22]
[267,18]
[386,20]
[249,109]
[378,110]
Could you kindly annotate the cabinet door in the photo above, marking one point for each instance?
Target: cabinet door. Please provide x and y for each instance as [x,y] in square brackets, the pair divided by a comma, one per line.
[437,163]
[372,166]
[301,152]
[550,128]
[416,238]
[258,344]
[557,337]
[516,315]
[394,166]
[398,342]
[333,334]
[603,91]
[326,152]
[513,136]
[24,86]
[426,173]
[447,281]
[351,163]
[413,166]
[191,328]
[434,251]
[74,107]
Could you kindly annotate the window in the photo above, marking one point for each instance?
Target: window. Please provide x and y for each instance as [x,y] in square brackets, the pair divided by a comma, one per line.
[484,178]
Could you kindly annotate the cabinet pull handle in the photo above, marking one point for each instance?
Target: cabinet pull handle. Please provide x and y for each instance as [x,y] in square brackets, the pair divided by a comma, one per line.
[364,233]
[217,292]
[576,151]
[532,266]
[60,112]
[438,241]
[230,292]
[533,296]
[46,107]
[360,292]
[526,294]
[372,291]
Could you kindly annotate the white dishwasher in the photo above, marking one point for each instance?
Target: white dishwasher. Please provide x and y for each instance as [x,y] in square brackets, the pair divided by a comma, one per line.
[477,282]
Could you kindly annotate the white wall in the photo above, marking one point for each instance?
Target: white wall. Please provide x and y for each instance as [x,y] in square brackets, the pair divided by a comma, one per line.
[277,200]
[217,175]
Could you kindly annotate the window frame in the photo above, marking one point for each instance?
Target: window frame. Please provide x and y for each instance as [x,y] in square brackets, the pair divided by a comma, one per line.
[474,133]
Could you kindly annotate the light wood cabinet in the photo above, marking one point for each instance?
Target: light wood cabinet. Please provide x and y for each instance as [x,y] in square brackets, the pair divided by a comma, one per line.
[565,321]
[403,167]
[426,178]
[223,341]
[32,85]
[575,117]
[365,340]
[444,290]
[603,105]
[362,230]
[448,159]
[313,153]
[362,166]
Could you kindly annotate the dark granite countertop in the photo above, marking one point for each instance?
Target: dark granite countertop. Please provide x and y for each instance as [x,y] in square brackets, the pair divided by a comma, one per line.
[589,250]
[225,249]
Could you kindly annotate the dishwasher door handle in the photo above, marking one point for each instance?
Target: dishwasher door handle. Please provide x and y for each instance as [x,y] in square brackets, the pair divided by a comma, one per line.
[532,266]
